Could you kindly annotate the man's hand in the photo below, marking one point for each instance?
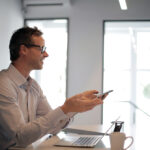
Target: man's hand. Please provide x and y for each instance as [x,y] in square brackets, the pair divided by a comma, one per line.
[82,102]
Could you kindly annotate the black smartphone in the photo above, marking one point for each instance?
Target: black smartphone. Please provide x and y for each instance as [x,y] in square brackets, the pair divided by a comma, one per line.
[103,94]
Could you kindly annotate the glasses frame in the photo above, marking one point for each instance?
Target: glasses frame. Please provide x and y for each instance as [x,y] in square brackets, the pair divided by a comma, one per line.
[42,48]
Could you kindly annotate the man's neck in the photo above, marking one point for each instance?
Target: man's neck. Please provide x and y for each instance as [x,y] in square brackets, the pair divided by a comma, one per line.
[22,69]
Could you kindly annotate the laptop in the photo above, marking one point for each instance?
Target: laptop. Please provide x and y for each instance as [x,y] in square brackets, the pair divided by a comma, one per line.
[82,140]
[79,141]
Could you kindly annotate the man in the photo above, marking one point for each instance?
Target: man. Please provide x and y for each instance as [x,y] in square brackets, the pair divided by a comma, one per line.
[25,114]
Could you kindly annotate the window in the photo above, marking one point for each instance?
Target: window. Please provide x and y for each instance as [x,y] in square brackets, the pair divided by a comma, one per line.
[52,77]
[127,72]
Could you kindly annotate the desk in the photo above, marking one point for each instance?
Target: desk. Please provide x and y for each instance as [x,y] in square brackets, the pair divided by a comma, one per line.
[46,143]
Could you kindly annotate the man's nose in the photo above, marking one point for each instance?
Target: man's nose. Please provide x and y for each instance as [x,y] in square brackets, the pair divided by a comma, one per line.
[45,54]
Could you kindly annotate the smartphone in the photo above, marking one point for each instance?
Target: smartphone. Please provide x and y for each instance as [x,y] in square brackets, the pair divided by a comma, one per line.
[103,94]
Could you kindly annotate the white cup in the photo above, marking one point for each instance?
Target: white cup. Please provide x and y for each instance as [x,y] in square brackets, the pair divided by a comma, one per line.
[117,140]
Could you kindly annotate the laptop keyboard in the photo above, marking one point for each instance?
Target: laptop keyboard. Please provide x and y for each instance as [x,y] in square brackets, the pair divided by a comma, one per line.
[86,141]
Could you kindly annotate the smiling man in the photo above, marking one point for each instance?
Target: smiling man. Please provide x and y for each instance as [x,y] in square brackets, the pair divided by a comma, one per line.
[25,115]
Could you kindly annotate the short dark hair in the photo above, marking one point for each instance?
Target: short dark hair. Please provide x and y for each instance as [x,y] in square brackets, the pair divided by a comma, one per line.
[21,36]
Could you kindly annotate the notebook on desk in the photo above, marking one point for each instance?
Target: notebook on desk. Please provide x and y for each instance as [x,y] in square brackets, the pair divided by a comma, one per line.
[83,140]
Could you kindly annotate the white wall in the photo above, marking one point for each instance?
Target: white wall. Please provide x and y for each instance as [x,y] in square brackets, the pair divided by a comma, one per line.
[11,18]
[85,41]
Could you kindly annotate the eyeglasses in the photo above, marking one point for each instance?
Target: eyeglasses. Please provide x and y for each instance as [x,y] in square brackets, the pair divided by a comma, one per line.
[42,48]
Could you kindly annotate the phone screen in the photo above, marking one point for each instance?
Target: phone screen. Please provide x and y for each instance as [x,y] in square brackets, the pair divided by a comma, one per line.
[106,92]
[103,94]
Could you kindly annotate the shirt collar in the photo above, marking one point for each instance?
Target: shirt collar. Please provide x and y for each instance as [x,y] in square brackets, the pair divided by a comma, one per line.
[17,77]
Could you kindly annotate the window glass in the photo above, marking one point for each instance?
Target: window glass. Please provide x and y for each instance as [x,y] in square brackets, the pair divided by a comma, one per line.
[127,72]
[52,77]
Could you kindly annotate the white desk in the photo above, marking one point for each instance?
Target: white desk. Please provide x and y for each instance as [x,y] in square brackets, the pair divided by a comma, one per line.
[46,143]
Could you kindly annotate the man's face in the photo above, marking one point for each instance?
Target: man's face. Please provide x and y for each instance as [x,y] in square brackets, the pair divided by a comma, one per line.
[35,57]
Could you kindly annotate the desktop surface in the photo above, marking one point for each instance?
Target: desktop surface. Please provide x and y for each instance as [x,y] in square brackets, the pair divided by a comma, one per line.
[46,143]
[49,145]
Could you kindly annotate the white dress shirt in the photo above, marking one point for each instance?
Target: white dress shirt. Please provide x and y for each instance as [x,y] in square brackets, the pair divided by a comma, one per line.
[25,114]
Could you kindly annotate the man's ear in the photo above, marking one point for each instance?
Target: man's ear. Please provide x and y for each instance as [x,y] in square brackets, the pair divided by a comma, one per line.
[23,50]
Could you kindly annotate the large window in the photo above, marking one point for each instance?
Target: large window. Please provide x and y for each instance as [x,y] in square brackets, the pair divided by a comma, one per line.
[127,72]
[52,77]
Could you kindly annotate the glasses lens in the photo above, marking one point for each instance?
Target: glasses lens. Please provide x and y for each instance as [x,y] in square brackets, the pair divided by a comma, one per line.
[43,49]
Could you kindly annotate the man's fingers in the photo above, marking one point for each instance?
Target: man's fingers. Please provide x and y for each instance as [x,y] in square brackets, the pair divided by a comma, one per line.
[82,102]
[91,92]
[88,102]
[104,96]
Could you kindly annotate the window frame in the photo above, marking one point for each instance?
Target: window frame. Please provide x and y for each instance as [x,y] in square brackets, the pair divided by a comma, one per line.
[103,40]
